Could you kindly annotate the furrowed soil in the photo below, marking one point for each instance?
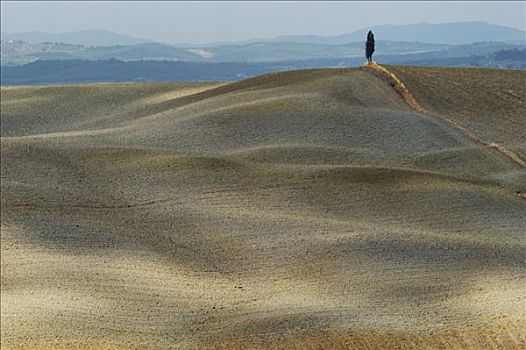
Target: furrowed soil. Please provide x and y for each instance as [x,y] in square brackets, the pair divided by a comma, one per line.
[298,210]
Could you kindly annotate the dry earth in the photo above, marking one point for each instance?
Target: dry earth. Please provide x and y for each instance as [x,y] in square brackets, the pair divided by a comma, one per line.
[297,210]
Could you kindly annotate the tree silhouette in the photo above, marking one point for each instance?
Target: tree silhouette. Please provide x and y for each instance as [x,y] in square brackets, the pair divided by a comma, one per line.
[369,47]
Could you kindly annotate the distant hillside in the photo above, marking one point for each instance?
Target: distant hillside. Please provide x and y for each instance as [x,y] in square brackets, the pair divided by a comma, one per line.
[16,52]
[146,51]
[281,51]
[112,70]
[443,33]
[20,52]
[81,71]
[92,37]
[431,43]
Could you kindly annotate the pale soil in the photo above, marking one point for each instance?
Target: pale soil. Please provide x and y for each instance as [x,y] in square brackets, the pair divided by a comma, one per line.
[299,210]
[488,102]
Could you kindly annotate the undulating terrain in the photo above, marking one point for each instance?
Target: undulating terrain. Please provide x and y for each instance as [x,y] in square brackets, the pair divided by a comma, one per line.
[307,209]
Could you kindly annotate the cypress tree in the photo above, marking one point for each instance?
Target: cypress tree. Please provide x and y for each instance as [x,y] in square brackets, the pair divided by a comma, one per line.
[369,47]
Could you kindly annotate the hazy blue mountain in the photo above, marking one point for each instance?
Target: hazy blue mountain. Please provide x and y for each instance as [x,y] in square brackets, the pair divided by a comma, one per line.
[219,43]
[391,40]
[92,37]
[146,51]
[83,71]
[448,33]
[76,71]
[482,48]
[444,33]
[281,51]
[18,52]
[14,53]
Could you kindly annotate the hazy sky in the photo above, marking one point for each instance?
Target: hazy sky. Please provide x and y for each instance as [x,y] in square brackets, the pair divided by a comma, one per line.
[200,22]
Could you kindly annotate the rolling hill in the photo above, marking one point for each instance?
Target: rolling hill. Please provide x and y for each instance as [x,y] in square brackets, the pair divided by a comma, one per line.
[297,210]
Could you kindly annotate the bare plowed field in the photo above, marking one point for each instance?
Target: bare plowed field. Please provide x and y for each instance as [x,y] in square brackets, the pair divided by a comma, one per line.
[297,210]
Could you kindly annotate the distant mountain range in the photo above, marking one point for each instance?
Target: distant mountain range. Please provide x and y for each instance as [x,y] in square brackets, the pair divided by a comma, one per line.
[83,71]
[445,33]
[456,33]
[95,56]
[92,37]
[17,53]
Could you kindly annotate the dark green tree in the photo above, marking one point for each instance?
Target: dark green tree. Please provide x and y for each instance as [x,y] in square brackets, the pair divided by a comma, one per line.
[369,47]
